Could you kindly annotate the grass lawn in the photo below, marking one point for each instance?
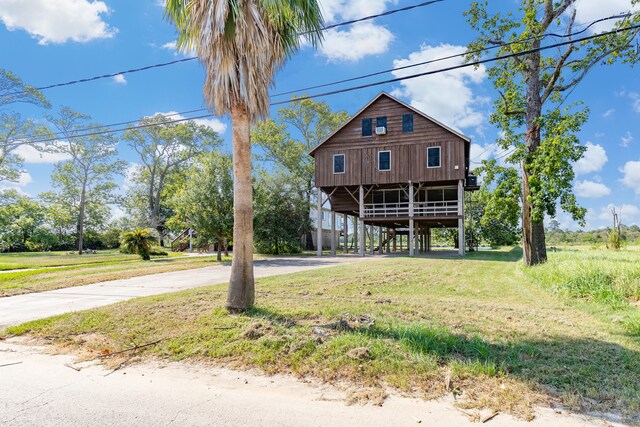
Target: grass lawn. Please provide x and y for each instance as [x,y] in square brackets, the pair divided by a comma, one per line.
[486,329]
[44,271]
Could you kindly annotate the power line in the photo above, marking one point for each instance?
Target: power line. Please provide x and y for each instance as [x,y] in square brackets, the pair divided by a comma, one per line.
[378,83]
[377,73]
[192,58]
[543,36]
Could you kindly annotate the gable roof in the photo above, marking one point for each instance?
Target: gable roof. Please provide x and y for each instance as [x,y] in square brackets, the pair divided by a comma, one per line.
[393,98]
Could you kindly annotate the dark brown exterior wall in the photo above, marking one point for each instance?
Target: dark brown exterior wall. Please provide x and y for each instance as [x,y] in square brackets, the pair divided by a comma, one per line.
[408,150]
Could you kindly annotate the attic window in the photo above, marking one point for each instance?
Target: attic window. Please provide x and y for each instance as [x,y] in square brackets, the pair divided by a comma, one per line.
[381,122]
[367,125]
[338,163]
[407,123]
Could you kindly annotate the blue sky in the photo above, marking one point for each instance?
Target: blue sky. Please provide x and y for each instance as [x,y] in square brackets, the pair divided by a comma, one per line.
[48,42]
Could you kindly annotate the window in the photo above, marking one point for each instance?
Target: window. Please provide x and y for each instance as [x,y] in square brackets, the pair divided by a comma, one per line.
[338,163]
[407,123]
[366,127]
[384,160]
[433,157]
[381,121]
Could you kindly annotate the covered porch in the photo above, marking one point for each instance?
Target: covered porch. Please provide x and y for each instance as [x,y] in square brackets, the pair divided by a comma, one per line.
[394,218]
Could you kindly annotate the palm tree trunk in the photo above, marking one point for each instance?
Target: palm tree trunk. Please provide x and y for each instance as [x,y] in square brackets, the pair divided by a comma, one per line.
[241,291]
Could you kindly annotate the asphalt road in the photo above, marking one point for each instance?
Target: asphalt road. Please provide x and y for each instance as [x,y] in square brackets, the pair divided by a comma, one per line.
[23,308]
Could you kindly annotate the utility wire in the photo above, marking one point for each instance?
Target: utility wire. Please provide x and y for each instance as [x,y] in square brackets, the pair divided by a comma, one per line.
[192,58]
[378,83]
[543,36]
[377,73]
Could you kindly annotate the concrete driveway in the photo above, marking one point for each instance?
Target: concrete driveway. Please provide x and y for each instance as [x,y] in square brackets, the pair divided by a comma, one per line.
[27,307]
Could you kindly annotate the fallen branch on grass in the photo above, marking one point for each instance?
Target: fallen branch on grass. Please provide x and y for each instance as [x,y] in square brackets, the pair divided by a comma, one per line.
[136,347]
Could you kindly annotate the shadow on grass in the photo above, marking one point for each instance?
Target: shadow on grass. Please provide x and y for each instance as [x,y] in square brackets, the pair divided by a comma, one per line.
[586,375]
[513,255]
[592,374]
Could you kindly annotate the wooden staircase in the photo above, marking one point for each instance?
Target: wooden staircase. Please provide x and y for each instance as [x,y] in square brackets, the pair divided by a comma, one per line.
[181,242]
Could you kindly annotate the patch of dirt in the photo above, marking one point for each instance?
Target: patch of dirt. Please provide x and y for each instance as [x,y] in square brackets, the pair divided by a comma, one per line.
[360,353]
[257,330]
[375,396]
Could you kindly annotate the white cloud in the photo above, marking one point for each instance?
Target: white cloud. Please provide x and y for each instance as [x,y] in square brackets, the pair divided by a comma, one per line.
[25,179]
[57,21]
[626,139]
[591,189]
[628,214]
[212,123]
[635,101]
[31,154]
[609,113]
[592,10]
[173,47]
[446,96]
[117,213]
[120,79]
[593,160]
[631,176]
[358,40]
[130,174]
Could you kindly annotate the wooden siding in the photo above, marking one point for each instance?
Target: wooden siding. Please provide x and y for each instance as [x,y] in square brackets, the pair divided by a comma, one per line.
[408,150]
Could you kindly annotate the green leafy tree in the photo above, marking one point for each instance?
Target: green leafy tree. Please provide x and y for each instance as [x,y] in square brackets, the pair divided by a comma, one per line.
[287,140]
[20,217]
[85,180]
[500,198]
[163,152]
[533,88]
[242,45]
[13,127]
[139,242]
[205,203]
[280,213]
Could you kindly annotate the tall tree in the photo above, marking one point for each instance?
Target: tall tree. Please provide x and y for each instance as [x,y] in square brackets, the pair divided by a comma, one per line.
[205,203]
[533,87]
[287,140]
[13,128]
[242,44]
[20,216]
[85,180]
[281,213]
[162,151]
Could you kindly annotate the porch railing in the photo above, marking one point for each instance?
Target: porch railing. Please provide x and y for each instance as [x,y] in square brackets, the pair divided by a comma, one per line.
[385,210]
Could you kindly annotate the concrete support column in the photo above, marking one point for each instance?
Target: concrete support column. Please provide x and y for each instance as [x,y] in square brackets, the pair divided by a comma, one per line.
[461,236]
[428,239]
[395,241]
[372,240]
[380,240]
[411,242]
[362,233]
[355,234]
[345,228]
[319,223]
[333,233]
[388,240]
[190,241]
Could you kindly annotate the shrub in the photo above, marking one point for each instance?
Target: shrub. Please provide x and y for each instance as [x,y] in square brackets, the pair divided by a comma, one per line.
[139,242]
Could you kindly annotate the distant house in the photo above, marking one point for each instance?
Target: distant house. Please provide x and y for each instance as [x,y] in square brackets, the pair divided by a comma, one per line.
[395,168]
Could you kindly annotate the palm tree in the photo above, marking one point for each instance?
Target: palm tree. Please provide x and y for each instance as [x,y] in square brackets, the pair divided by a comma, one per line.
[241,44]
[139,242]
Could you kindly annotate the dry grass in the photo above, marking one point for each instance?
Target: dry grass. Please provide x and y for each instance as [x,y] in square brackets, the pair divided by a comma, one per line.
[476,329]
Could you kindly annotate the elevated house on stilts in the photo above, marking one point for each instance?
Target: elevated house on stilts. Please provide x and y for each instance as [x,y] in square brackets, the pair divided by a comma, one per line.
[394,169]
